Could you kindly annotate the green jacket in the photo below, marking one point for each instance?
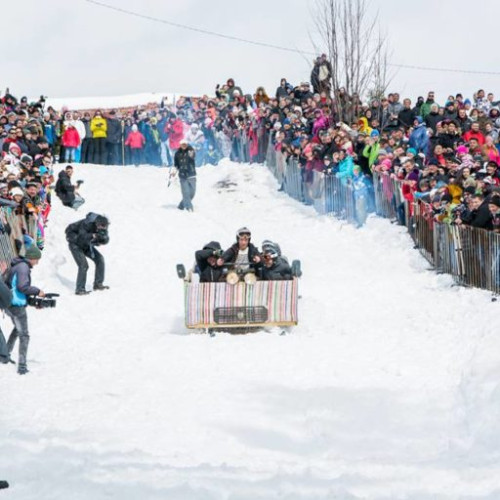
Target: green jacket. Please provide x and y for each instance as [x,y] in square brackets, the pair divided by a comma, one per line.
[371,152]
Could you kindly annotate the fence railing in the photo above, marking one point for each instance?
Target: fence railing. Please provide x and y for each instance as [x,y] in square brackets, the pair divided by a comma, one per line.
[471,255]
[327,193]
[13,228]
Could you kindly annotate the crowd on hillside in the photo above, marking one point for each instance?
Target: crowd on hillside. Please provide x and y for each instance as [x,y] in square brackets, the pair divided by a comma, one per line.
[445,154]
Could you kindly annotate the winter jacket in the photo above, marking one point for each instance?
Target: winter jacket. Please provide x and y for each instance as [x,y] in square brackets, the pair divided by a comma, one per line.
[419,139]
[99,127]
[371,152]
[229,256]
[184,161]
[208,273]
[432,119]
[135,140]
[81,233]
[19,281]
[114,131]
[176,133]
[483,218]
[71,138]
[64,189]
[475,135]
[406,117]
[280,270]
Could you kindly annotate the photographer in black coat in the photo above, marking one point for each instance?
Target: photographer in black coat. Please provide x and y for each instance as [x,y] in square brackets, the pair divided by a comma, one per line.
[83,238]
[66,191]
[206,260]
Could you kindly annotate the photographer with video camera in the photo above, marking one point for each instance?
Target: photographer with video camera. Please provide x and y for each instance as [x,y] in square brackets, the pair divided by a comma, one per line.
[18,281]
[83,237]
[206,260]
[66,191]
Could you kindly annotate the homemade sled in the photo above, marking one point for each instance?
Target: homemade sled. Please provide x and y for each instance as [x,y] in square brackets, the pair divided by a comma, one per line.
[240,307]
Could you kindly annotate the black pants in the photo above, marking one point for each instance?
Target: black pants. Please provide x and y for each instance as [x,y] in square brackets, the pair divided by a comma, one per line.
[99,151]
[114,153]
[136,156]
[86,156]
[80,257]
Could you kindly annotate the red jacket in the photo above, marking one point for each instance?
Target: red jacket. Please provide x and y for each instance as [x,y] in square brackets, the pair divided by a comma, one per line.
[71,138]
[475,135]
[176,133]
[135,140]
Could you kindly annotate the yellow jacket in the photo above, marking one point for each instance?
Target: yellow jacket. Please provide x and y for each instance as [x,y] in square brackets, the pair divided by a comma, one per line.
[455,192]
[99,127]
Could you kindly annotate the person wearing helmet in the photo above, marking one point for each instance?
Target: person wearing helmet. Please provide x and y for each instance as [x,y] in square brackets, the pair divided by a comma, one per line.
[275,267]
[243,254]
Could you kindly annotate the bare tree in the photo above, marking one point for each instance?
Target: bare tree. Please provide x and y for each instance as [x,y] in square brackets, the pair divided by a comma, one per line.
[356,48]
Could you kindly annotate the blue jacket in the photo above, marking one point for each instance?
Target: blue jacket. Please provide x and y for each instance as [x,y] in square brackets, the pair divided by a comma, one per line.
[19,281]
[419,140]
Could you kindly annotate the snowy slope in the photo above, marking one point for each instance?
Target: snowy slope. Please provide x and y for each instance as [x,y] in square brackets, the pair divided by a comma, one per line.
[109,101]
[387,389]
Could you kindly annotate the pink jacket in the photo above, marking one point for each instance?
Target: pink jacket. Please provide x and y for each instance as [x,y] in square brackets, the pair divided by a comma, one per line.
[70,138]
[135,140]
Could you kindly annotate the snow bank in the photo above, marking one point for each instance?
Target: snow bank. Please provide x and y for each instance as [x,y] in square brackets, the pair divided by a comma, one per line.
[388,388]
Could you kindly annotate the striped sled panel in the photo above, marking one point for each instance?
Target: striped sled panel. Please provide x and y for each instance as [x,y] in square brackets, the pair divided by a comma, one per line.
[266,303]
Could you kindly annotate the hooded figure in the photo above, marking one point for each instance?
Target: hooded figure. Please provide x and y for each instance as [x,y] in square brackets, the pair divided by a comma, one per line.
[206,260]
[419,140]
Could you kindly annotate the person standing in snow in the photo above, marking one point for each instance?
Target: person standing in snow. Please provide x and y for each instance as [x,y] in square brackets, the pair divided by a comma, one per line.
[19,281]
[83,237]
[135,141]
[184,162]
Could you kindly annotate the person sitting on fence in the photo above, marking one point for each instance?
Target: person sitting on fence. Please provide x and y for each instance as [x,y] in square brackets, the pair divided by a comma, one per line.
[206,261]
[66,191]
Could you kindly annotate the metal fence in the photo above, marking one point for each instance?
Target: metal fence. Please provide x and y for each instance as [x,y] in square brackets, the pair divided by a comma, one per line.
[471,255]
[13,228]
[327,193]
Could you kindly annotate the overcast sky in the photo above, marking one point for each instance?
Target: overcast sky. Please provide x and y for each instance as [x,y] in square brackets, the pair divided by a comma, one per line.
[72,48]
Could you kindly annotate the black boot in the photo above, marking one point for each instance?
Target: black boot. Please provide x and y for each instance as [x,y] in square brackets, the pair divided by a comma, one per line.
[82,292]
[101,287]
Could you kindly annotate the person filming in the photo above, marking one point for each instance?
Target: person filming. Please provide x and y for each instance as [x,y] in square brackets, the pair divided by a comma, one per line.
[83,237]
[19,281]
[66,191]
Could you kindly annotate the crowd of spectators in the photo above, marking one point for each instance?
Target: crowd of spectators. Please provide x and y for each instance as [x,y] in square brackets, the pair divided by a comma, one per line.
[446,155]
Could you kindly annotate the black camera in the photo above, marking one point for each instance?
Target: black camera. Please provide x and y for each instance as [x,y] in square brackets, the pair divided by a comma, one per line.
[43,302]
[101,237]
[79,183]
[218,253]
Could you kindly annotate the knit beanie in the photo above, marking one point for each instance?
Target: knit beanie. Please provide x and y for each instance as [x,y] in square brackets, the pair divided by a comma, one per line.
[33,253]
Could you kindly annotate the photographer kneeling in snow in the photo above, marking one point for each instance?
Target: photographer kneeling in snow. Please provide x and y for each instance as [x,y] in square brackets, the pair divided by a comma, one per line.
[83,236]
[19,282]
[67,192]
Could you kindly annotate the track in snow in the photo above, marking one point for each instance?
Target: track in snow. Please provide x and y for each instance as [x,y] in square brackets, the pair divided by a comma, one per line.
[388,388]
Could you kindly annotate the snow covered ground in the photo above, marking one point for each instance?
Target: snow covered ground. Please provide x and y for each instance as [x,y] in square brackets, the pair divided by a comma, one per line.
[109,101]
[388,388]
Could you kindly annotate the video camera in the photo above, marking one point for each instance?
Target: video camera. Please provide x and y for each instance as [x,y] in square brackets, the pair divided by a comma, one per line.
[43,302]
[101,237]
[79,183]
[218,253]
